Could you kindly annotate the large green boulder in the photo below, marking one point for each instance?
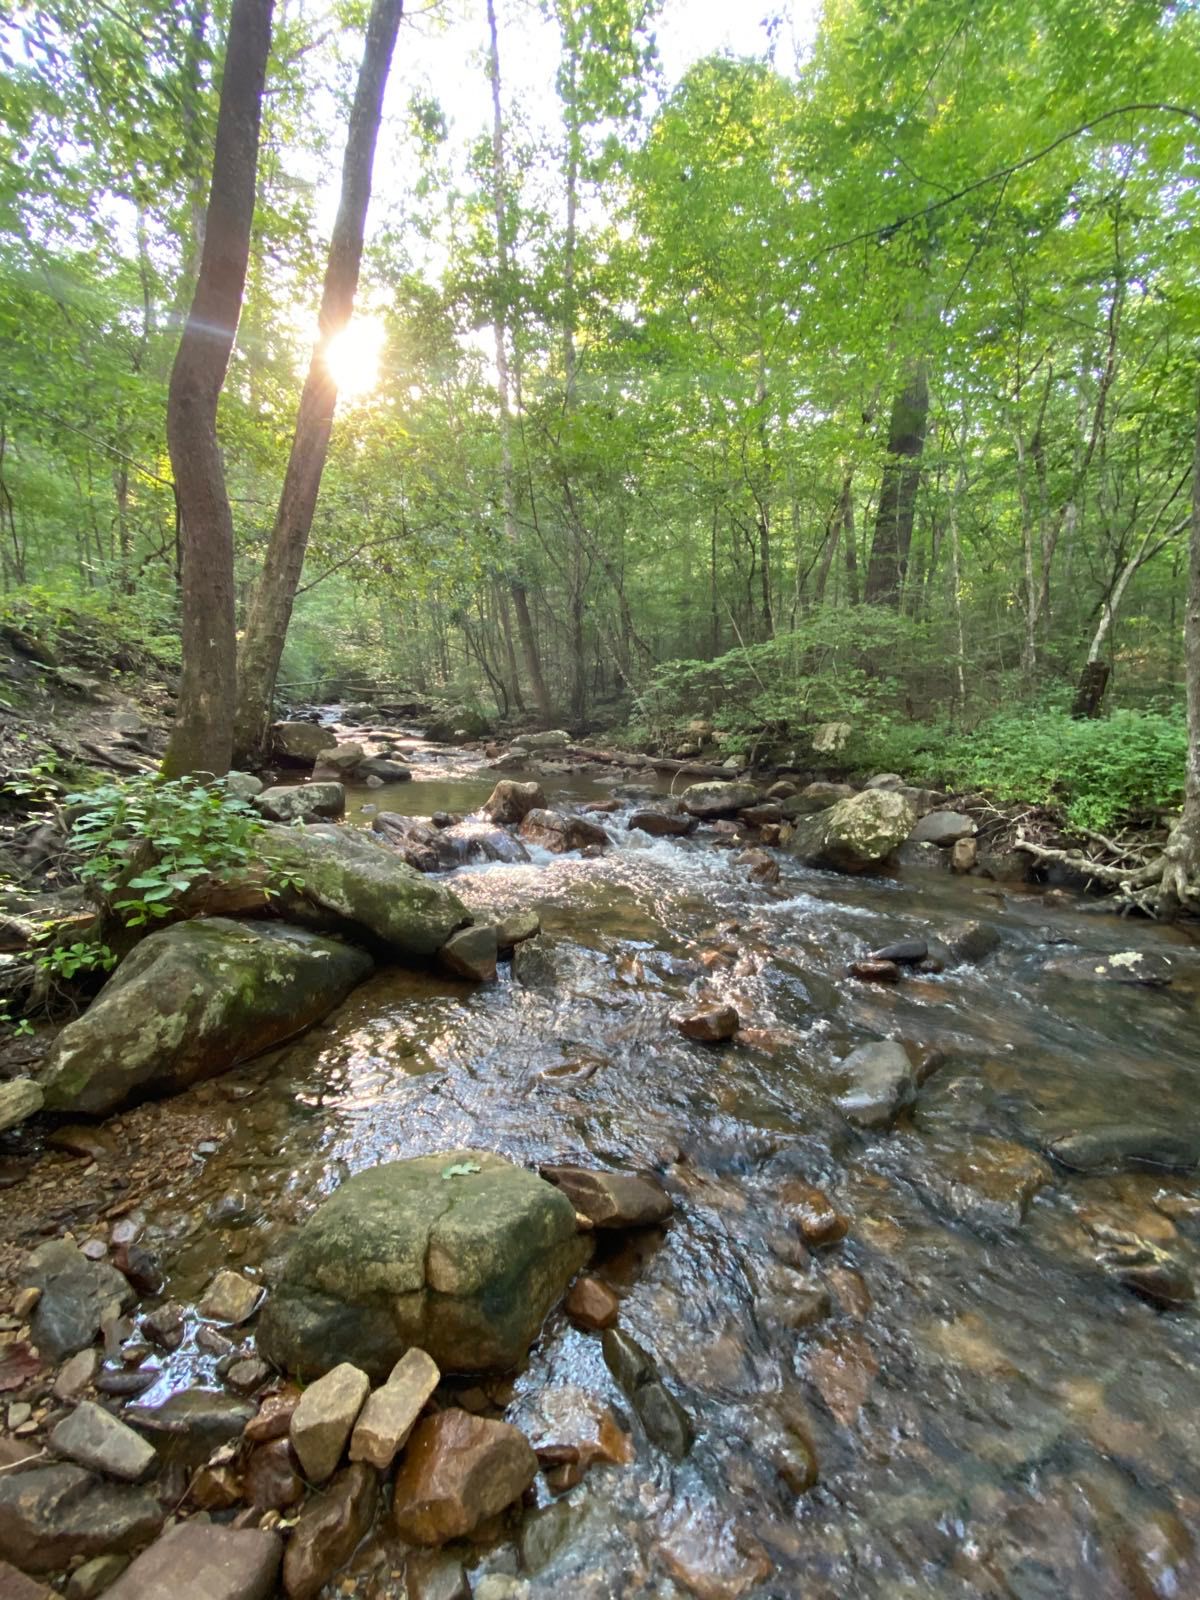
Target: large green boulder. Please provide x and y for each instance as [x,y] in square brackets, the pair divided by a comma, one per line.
[855,834]
[192,1001]
[461,1253]
[348,879]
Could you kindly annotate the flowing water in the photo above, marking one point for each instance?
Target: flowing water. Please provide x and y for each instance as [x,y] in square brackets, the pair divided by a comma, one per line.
[992,1413]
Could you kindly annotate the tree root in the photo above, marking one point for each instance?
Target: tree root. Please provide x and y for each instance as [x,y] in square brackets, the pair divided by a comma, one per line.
[1164,887]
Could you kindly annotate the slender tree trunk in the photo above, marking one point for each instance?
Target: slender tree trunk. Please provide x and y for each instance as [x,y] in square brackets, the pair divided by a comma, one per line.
[275,593]
[1181,874]
[956,592]
[516,583]
[202,738]
[898,490]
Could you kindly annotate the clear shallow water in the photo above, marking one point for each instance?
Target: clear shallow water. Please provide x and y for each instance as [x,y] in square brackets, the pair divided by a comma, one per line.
[992,1415]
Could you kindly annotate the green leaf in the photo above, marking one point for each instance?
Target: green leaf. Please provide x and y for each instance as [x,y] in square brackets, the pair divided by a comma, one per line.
[461,1169]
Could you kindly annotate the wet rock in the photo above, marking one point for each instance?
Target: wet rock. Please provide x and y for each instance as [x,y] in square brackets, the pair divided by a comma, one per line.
[329,1530]
[483,841]
[612,1199]
[1154,1274]
[708,1024]
[272,1478]
[872,971]
[95,1439]
[349,880]
[383,770]
[246,1376]
[166,1325]
[471,953]
[843,1370]
[666,1422]
[274,1416]
[391,1413]
[230,1299]
[943,828]
[544,1533]
[303,802]
[592,1305]
[1004,866]
[436,1575]
[234,1209]
[762,867]
[880,1083]
[298,743]
[1127,1147]
[712,1558]
[856,834]
[77,1296]
[717,799]
[558,832]
[204,1561]
[795,1300]
[462,1253]
[76,1374]
[663,824]
[322,1422]
[215,1487]
[926,857]
[534,964]
[457,1472]
[49,1516]
[570,1431]
[192,1001]
[1121,966]
[15,1585]
[191,1424]
[963,855]
[140,1266]
[812,1213]
[91,1580]
[511,802]
[905,951]
[991,1184]
[971,941]
[20,1098]
[516,928]
[126,1385]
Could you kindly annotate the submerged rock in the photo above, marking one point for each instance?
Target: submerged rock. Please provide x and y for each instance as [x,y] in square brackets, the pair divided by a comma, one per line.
[1148,968]
[459,1471]
[881,1082]
[344,878]
[1127,1147]
[461,1253]
[666,1422]
[718,799]
[592,1305]
[303,802]
[856,834]
[663,824]
[192,1001]
[708,1024]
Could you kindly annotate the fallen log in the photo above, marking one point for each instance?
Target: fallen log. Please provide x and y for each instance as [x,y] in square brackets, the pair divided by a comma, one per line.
[623,758]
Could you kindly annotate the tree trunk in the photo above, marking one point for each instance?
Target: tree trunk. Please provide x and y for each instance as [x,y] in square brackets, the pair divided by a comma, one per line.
[898,491]
[275,593]
[1181,872]
[202,738]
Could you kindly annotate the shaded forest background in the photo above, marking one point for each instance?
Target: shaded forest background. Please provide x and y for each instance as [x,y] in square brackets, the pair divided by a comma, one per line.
[861,388]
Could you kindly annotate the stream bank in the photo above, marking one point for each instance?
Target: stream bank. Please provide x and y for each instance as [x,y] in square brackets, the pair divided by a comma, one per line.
[943,1324]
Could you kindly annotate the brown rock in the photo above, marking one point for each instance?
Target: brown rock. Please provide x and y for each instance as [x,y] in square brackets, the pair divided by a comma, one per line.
[274,1416]
[215,1488]
[272,1477]
[322,1421]
[203,1561]
[390,1414]
[708,1024]
[471,953]
[761,867]
[875,971]
[963,855]
[663,824]
[329,1530]
[814,1214]
[512,802]
[458,1471]
[612,1199]
[558,832]
[592,1304]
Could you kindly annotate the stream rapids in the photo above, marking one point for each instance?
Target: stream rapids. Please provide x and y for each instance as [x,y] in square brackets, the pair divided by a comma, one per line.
[992,1412]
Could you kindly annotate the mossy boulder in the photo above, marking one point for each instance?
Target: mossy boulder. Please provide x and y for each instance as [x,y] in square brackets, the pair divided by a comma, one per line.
[855,834]
[345,878]
[192,1001]
[718,799]
[461,1253]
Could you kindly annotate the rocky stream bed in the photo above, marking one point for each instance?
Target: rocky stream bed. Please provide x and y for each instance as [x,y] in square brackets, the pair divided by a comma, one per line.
[903,1303]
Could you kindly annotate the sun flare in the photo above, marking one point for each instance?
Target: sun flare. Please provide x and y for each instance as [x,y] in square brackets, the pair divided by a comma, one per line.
[353,357]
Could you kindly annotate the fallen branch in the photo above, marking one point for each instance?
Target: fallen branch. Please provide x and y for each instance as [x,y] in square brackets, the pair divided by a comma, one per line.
[621,758]
[1128,878]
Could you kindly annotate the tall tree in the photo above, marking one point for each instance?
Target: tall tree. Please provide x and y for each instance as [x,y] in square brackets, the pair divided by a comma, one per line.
[202,738]
[275,592]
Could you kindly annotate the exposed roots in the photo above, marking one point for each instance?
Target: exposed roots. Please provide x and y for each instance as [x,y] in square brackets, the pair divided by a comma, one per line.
[1165,886]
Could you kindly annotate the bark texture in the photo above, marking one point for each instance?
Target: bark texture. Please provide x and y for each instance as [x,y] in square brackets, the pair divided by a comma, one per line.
[898,491]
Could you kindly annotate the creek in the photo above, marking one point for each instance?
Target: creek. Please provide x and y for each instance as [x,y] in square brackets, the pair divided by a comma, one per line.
[993,1413]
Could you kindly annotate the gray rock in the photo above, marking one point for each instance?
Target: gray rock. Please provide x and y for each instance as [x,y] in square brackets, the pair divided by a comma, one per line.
[612,1199]
[885,780]
[534,964]
[341,757]
[328,1531]
[192,1001]
[856,834]
[230,1299]
[552,739]
[663,824]
[461,1253]
[301,802]
[390,1414]
[516,928]
[717,799]
[242,785]
[386,771]
[20,1098]
[881,1082]
[1127,1147]
[204,1561]
[76,1374]
[324,1419]
[190,1424]
[928,857]
[49,1516]
[943,828]
[299,743]
[94,1438]
[559,832]
[351,881]
[830,737]
[90,1581]
[471,953]
[77,1297]
[666,1422]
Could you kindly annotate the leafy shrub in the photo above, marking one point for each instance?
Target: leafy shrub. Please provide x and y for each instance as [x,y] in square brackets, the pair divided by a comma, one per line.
[148,841]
